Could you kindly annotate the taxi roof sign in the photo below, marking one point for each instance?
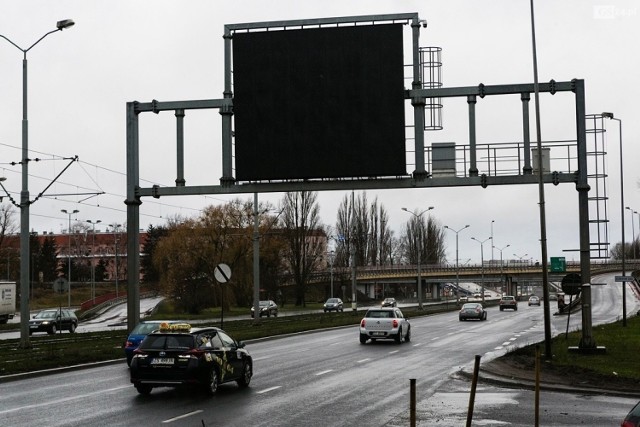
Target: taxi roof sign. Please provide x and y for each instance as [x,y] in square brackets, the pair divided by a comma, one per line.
[175,327]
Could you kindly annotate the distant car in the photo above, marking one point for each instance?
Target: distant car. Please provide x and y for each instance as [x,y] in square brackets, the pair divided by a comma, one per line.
[51,321]
[534,300]
[389,302]
[477,295]
[472,310]
[179,355]
[463,298]
[333,304]
[138,333]
[508,301]
[385,323]
[487,294]
[633,417]
[267,308]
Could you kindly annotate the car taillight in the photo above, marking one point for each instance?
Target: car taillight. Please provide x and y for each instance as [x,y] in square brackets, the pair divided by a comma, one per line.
[194,352]
[362,323]
[627,424]
[128,344]
[395,323]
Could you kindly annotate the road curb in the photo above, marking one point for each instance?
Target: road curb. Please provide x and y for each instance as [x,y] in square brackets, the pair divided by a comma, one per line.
[489,377]
[43,372]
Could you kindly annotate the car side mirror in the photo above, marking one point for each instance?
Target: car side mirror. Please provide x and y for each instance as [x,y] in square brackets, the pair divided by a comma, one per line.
[240,344]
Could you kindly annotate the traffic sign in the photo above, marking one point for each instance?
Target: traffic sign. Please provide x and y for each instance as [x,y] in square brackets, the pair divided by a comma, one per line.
[624,279]
[60,285]
[571,284]
[558,264]
[222,273]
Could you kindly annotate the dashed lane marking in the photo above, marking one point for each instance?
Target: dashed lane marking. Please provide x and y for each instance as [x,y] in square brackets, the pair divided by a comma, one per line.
[189,414]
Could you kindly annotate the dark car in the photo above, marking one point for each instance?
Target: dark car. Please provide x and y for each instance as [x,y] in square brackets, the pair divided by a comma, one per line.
[178,355]
[389,302]
[472,310]
[138,333]
[51,321]
[633,417]
[334,304]
[267,308]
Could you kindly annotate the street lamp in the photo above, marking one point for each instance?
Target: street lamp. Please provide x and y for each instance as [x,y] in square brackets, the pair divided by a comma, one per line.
[93,256]
[419,217]
[492,258]
[501,266]
[75,211]
[457,266]
[332,256]
[624,249]
[24,194]
[633,232]
[482,260]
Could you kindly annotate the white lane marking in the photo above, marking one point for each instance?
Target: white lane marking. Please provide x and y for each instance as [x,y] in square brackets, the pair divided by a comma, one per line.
[433,339]
[363,360]
[268,389]
[63,400]
[188,414]
[506,343]
[324,372]
[513,339]
[394,351]
[417,345]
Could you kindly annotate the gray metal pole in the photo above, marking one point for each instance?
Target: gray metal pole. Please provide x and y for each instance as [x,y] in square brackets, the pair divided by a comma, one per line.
[69,262]
[133,217]
[256,261]
[24,218]
[542,207]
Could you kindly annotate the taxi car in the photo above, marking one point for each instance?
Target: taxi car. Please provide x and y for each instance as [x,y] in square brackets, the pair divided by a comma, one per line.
[140,331]
[51,321]
[179,355]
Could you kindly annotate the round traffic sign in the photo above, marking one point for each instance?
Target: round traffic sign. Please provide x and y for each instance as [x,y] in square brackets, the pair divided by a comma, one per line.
[60,285]
[222,273]
[572,284]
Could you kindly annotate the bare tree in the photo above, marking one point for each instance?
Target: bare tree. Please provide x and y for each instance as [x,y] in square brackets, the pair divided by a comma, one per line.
[8,227]
[305,237]
[424,237]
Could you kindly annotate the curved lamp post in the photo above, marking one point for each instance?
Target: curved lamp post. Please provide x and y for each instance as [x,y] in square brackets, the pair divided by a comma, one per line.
[418,216]
[24,194]
[624,248]
[457,266]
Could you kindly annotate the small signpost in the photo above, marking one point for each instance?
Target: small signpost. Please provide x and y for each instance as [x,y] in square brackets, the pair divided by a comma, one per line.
[222,274]
[624,278]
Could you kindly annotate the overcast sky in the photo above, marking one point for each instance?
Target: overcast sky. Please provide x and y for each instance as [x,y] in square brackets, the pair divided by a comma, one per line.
[119,51]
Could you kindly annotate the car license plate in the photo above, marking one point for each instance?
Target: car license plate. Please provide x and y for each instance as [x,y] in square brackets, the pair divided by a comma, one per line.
[378,334]
[162,361]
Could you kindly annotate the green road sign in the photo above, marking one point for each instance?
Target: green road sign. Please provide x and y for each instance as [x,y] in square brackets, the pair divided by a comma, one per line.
[558,264]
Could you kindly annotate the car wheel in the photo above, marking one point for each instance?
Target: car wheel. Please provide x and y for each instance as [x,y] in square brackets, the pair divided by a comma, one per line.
[515,309]
[212,382]
[53,330]
[72,328]
[484,316]
[398,337]
[408,337]
[129,359]
[246,376]
[363,339]
[275,314]
[325,310]
[144,389]
[501,308]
